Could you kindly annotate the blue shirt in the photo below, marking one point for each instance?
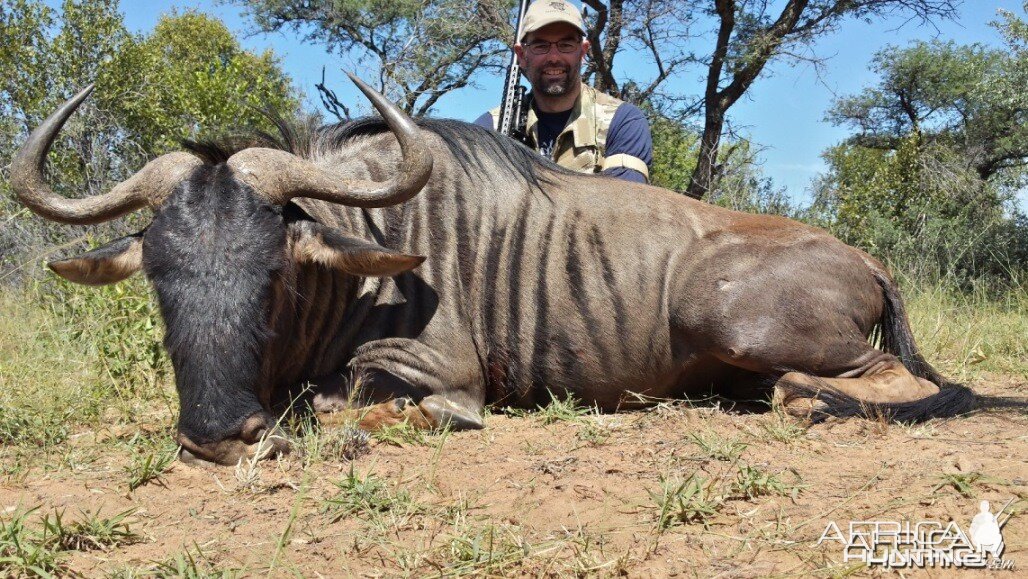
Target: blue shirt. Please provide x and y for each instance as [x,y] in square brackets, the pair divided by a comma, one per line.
[629,133]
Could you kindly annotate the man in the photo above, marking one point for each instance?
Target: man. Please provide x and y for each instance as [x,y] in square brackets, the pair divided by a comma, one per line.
[573,124]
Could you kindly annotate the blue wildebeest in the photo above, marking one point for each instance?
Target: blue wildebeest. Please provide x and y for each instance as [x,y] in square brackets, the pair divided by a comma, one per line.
[454,268]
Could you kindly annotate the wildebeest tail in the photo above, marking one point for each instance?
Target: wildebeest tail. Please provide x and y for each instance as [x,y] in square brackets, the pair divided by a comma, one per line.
[896,338]
[894,334]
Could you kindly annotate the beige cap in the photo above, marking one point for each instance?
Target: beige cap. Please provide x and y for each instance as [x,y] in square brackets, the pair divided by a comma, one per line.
[545,12]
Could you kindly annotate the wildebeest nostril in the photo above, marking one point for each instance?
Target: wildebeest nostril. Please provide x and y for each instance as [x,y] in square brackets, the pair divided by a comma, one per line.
[254,428]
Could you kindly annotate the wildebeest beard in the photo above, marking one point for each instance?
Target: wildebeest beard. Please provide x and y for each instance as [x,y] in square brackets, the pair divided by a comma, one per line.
[212,253]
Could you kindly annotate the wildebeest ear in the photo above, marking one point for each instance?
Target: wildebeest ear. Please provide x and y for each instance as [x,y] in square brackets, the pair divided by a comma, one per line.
[315,243]
[109,263]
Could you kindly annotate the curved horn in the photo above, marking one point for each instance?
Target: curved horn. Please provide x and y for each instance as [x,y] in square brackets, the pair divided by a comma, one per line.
[282,176]
[145,187]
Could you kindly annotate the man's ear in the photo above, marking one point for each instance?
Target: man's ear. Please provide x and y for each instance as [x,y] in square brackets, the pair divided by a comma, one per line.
[519,50]
[315,243]
[106,264]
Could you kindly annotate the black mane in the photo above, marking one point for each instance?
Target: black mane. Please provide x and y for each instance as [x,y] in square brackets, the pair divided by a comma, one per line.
[469,144]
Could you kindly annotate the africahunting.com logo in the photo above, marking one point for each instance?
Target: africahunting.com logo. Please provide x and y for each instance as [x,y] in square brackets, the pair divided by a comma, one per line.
[906,544]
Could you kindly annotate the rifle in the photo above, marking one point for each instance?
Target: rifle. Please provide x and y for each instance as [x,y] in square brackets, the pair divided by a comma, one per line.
[513,112]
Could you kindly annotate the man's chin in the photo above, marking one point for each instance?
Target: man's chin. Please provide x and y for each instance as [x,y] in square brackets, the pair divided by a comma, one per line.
[555,88]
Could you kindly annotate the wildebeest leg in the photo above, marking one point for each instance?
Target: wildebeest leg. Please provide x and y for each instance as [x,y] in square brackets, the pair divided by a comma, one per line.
[378,399]
[378,416]
[885,381]
[432,413]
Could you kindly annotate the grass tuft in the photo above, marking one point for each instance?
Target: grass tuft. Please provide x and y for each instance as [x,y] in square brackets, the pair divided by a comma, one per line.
[751,482]
[92,532]
[717,447]
[24,552]
[963,483]
[367,495]
[149,466]
[692,500]
[565,408]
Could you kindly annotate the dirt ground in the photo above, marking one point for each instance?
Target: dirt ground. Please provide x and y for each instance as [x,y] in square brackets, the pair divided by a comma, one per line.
[579,496]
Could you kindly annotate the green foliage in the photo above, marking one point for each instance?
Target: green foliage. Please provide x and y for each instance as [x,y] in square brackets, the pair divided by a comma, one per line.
[187,78]
[90,532]
[149,466]
[187,565]
[190,77]
[717,447]
[674,153]
[367,495]
[23,552]
[929,179]
[963,483]
[561,408]
[740,184]
[37,552]
[751,482]
[119,325]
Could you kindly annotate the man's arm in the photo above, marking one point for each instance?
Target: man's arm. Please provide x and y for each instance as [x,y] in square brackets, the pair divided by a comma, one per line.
[628,144]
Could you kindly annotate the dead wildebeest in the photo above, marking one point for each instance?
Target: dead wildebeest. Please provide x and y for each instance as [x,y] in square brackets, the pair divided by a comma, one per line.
[275,268]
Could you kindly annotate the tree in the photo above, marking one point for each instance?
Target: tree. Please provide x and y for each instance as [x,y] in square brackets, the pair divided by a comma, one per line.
[419,50]
[939,153]
[189,78]
[420,59]
[749,35]
[964,97]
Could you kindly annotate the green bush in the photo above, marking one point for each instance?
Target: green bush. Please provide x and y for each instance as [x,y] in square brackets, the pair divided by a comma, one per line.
[118,325]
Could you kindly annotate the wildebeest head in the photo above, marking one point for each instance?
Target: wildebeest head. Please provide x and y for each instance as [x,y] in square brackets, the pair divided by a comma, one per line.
[219,242]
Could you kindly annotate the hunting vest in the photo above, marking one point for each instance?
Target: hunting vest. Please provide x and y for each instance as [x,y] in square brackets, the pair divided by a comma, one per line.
[582,143]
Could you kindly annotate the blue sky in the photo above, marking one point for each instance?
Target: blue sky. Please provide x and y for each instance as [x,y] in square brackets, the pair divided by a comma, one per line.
[783,111]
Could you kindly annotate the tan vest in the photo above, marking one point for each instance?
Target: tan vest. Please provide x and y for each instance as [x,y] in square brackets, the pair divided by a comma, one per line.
[582,143]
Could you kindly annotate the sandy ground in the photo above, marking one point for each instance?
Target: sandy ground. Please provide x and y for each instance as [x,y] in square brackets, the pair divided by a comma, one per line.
[569,498]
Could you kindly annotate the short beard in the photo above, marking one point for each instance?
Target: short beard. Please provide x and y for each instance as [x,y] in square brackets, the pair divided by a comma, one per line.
[559,87]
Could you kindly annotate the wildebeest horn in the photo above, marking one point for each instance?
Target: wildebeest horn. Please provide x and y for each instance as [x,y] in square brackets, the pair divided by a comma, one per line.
[281,176]
[148,186]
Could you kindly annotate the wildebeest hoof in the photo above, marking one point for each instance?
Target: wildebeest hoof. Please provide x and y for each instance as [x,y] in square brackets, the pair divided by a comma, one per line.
[444,412]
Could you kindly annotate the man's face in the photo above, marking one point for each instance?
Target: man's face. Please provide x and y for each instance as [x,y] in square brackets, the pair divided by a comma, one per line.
[552,73]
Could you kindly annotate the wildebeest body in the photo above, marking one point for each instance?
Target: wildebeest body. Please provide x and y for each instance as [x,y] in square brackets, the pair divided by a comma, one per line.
[586,285]
[283,270]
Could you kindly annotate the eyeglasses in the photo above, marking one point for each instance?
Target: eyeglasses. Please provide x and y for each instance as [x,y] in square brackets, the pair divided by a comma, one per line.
[541,47]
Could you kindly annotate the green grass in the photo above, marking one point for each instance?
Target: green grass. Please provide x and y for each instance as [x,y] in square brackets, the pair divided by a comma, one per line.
[401,434]
[560,408]
[715,446]
[77,360]
[694,499]
[28,550]
[485,550]
[779,427]
[751,482]
[964,334]
[963,483]
[366,495]
[148,466]
[91,531]
[190,565]
[25,552]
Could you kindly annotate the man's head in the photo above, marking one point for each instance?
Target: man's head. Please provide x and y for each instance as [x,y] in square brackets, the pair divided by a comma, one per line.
[552,48]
